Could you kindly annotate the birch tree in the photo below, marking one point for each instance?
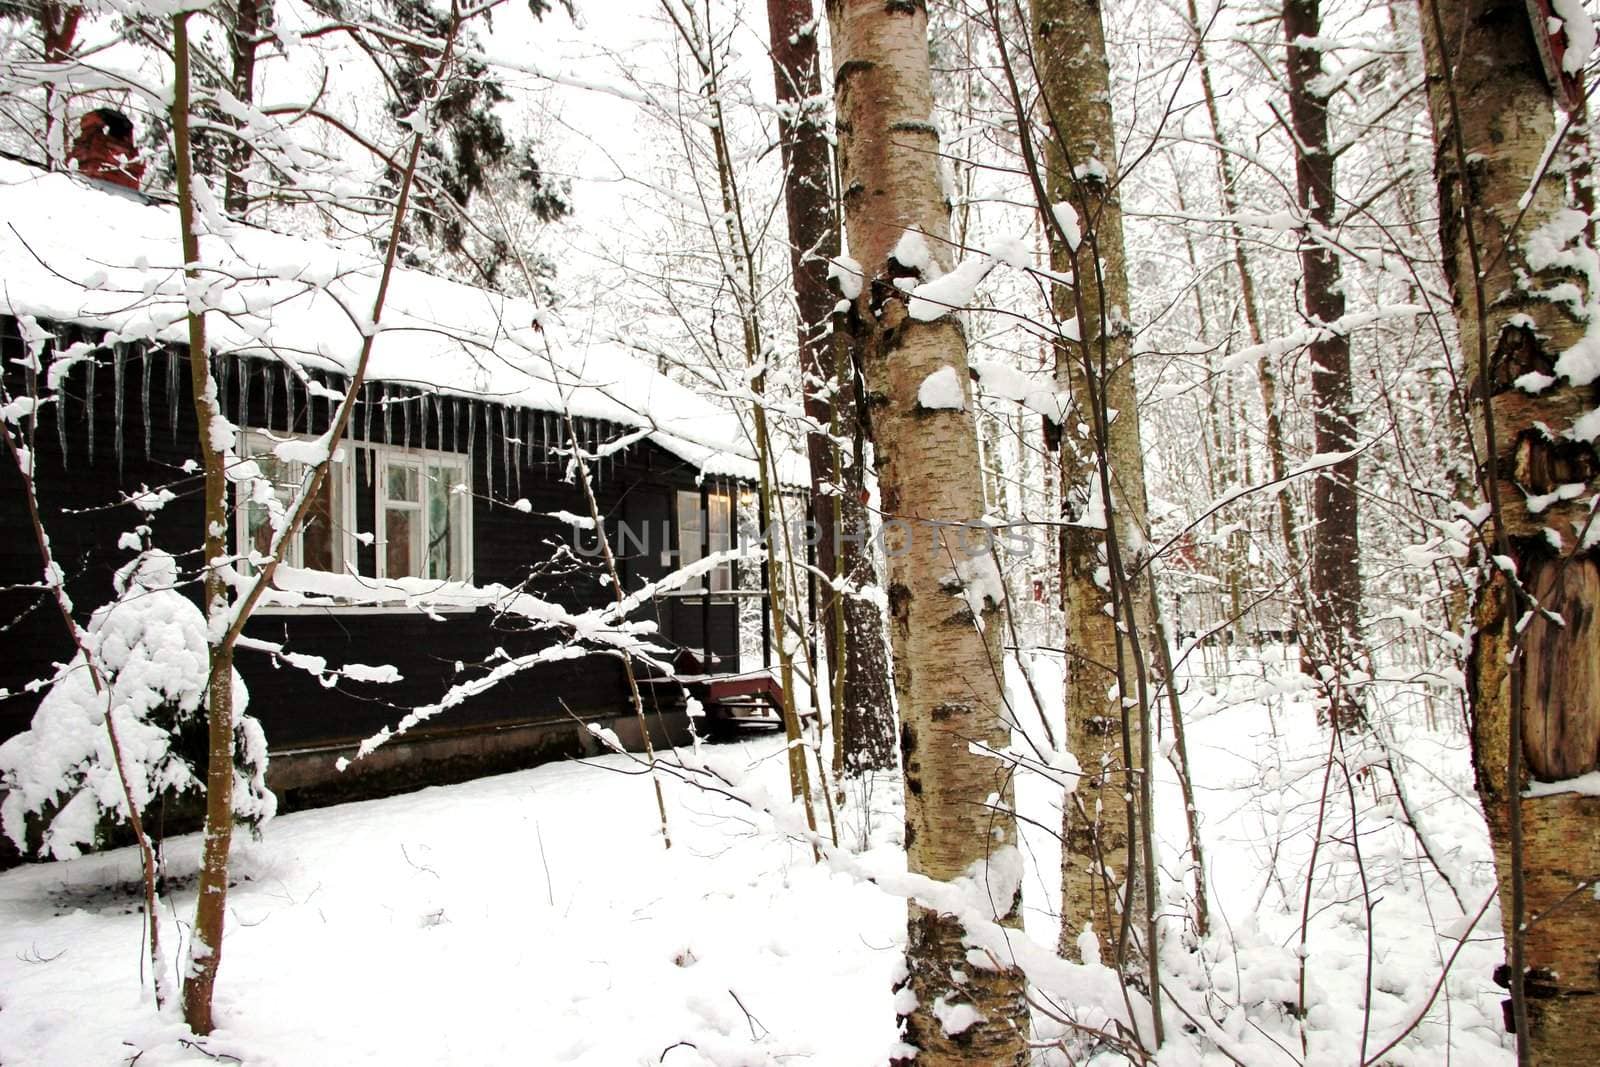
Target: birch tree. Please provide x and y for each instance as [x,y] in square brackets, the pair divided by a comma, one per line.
[943,598]
[1520,258]
[1102,467]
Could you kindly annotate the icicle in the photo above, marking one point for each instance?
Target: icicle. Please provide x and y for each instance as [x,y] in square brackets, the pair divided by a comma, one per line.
[367,391]
[488,446]
[422,415]
[269,392]
[472,435]
[224,375]
[460,407]
[90,366]
[508,450]
[119,377]
[519,446]
[172,389]
[288,398]
[405,421]
[438,418]
[61,402]
[145,358]
[388,413]
[241,393]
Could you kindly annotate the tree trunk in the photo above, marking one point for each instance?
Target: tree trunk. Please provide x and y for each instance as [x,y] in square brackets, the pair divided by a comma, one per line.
[205,940]
[942,594]
[1334,637]
[864,712]
[58,30]
[1532,688]
[242,48]
[1098,828]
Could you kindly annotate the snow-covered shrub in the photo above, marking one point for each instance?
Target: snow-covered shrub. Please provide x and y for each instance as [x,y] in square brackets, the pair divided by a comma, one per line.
[60,778]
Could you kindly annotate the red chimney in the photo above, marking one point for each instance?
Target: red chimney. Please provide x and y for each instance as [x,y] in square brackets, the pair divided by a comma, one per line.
[104,149]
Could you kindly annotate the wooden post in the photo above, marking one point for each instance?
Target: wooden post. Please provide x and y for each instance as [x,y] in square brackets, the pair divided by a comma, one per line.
[705,580]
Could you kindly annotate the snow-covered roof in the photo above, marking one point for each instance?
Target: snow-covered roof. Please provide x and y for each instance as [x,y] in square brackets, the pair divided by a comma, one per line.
[75,251]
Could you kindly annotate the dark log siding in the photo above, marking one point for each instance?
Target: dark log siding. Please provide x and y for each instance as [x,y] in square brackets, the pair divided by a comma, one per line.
[83,496]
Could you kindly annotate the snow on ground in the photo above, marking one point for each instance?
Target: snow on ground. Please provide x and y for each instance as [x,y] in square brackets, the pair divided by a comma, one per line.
[1257,756]
[535,918]
[527,918]
[1258,759]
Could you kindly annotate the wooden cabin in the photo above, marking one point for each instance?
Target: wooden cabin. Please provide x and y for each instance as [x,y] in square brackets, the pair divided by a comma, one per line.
[454,477]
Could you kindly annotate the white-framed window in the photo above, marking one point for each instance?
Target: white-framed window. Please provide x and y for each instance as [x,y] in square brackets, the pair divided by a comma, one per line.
[692,523]
[324,541]
[424,517]
[421,508]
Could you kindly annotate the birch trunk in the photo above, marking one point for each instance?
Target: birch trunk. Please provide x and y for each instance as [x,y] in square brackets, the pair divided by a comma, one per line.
[1532,688]
[864,712]
[947,664]
[1068,40]
[1333,639]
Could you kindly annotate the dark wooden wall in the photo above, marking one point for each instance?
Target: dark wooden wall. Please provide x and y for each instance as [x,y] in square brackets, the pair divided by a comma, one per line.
[83,489]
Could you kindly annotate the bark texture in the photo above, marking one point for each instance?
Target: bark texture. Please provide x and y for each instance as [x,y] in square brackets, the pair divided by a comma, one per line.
[1535,697]
[864,726]
[1068,40]
[1333,638]
[946,646]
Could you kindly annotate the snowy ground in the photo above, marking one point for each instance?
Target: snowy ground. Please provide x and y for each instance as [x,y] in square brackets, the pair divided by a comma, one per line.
[528,918]
[535,918]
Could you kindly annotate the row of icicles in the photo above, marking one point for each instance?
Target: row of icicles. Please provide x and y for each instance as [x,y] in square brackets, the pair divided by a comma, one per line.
[524,436]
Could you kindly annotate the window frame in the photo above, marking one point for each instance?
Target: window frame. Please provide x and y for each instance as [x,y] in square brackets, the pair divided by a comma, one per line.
[726,589]
[419,460]
[255,442]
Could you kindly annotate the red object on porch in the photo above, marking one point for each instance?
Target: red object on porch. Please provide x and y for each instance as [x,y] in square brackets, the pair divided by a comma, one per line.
[723,695]
[755,687]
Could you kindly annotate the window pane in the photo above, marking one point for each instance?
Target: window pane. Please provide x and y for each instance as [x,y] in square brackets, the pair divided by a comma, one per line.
[442,530]
[721,541]
[401,531]
[689,531]
[319,541]
[258,517]
[692,535]
[403,483]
